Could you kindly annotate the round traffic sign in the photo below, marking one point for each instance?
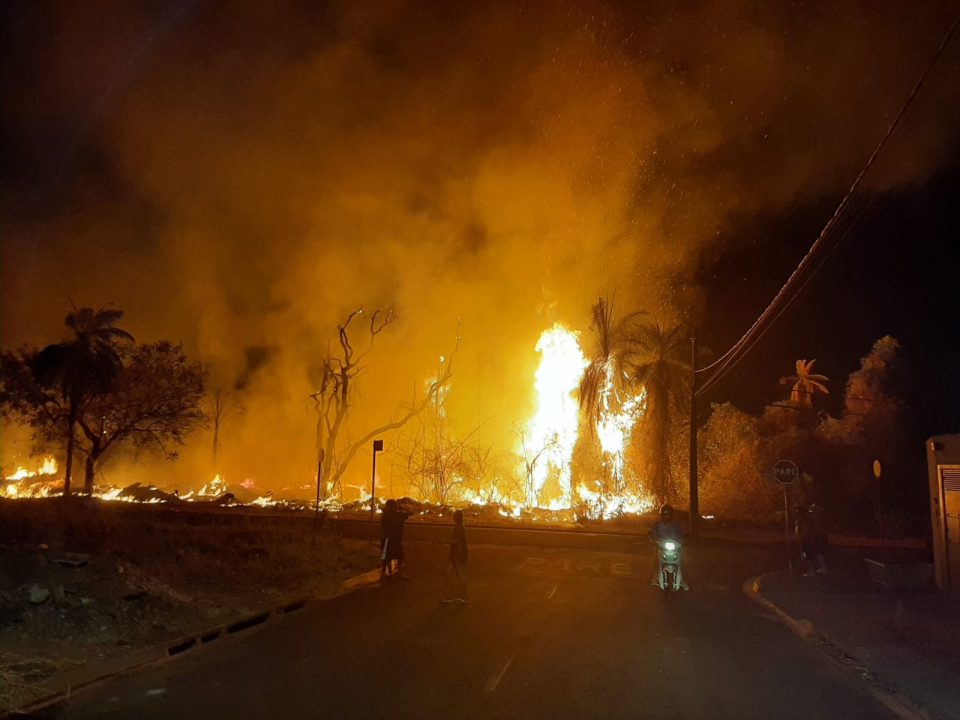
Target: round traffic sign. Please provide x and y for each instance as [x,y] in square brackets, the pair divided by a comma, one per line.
[786,472]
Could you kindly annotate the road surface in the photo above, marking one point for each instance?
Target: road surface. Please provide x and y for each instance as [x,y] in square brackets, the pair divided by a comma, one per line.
[550,632]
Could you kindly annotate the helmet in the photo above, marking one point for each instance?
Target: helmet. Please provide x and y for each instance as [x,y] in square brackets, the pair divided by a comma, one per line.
[666,512]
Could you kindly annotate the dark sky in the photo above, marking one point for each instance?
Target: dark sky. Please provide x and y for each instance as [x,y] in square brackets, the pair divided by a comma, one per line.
[894,273]
[239,176]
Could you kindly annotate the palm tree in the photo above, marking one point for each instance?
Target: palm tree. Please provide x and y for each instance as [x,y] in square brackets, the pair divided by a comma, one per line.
[805,383]
[659,365]
[82,367]
[614,342]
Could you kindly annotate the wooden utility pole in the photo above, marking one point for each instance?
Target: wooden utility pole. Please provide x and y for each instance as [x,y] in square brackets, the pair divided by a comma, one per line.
[694,489]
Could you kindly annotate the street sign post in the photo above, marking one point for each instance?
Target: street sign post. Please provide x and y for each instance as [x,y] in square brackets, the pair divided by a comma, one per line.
[377,447]
[786,472]
[877,472]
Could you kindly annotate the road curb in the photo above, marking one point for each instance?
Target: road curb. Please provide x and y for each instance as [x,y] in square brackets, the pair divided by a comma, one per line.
[899,705]
[801,628]
[69,683]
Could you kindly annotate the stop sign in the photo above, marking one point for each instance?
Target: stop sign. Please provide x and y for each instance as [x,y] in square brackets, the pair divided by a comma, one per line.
[786,472]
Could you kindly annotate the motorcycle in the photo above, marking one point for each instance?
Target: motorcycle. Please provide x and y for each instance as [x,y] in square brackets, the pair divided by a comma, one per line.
[669,573]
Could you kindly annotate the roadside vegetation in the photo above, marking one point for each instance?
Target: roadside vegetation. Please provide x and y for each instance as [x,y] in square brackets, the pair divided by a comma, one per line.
[84,582]
[100,393]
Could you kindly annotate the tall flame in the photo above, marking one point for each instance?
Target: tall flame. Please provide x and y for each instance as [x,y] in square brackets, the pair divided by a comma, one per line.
[618,414]
[553,430]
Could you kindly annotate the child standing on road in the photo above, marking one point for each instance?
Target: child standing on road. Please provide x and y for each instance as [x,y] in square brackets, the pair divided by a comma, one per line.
[457,560]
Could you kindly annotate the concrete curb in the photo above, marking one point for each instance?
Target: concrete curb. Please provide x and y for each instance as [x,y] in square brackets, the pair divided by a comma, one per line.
[801,628]
[900,706]
[62,687]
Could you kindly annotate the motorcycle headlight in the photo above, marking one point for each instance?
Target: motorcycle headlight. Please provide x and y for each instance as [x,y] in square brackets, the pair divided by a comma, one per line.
[669,545]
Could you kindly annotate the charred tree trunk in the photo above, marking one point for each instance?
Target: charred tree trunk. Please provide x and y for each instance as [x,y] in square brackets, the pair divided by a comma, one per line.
[68,464]
[89,471]
[90,468]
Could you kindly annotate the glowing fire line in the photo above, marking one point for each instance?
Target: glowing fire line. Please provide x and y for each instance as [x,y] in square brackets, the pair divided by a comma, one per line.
[547,446]
[554,428]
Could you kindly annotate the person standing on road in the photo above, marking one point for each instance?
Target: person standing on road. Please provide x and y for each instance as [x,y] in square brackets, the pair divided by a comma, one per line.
[811,531]
[387,520]
[819,528]
[457,559]
[395,537]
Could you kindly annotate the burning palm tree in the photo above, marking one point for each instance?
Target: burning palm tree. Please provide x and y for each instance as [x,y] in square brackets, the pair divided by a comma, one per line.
[659,365]
[606,375]
[610,406]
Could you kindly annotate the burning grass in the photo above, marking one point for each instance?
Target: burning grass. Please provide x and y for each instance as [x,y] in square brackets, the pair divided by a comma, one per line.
[542,487]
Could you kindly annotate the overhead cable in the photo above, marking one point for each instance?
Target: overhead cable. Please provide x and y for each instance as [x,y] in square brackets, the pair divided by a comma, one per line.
[797,280]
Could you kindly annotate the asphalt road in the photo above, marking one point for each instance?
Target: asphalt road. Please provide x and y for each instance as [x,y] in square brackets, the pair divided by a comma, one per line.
[548,633]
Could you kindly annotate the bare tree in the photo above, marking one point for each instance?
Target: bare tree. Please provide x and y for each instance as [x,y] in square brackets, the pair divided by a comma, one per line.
[436,463]
[481,473]
[332,401]
[224,405]
[531,457]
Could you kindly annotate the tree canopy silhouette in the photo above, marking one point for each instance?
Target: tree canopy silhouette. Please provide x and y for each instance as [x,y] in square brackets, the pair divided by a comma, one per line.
[81,368]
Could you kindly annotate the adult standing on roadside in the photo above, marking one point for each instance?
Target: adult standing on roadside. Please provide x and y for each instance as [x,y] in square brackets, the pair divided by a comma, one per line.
[457,559]
[387,521]
[812,532]
[819,531]
[398,519]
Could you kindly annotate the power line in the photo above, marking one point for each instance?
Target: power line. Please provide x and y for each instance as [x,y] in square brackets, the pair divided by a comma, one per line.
[730,363]
[796,282]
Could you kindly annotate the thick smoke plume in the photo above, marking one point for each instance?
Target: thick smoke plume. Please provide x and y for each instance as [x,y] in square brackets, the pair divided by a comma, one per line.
[242,175]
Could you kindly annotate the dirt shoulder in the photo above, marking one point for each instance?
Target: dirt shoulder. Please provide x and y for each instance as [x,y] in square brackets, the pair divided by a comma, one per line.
[83,583]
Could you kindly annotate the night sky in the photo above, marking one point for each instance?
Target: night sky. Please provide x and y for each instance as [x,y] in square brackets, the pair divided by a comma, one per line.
[240,177]
[893,274]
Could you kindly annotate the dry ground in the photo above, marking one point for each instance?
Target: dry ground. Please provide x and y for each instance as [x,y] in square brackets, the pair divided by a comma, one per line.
[82,581]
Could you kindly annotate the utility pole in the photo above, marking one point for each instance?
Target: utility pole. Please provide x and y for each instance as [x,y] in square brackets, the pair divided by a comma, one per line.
[694,489]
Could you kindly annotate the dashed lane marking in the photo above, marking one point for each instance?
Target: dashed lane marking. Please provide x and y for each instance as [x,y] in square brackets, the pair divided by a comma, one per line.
[495,679]
[552,592]
[578,567]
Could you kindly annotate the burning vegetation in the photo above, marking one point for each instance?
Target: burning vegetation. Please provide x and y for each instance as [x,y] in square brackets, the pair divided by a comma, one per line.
[104,393]
[254,177]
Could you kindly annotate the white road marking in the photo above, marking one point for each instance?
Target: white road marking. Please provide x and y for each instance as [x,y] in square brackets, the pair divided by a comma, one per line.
[588,565]
[552,592]
[154,692]
[495,680]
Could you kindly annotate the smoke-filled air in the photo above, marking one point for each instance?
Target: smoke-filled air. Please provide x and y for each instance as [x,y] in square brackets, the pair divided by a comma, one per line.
[244,177]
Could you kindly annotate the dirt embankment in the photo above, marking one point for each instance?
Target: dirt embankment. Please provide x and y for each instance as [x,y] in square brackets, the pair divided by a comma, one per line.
[82,582]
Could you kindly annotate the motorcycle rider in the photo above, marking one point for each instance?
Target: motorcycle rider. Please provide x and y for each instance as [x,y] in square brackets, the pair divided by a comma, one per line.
[664,529]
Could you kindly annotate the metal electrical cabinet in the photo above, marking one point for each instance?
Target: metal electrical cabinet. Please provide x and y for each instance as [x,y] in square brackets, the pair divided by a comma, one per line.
[943,469]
